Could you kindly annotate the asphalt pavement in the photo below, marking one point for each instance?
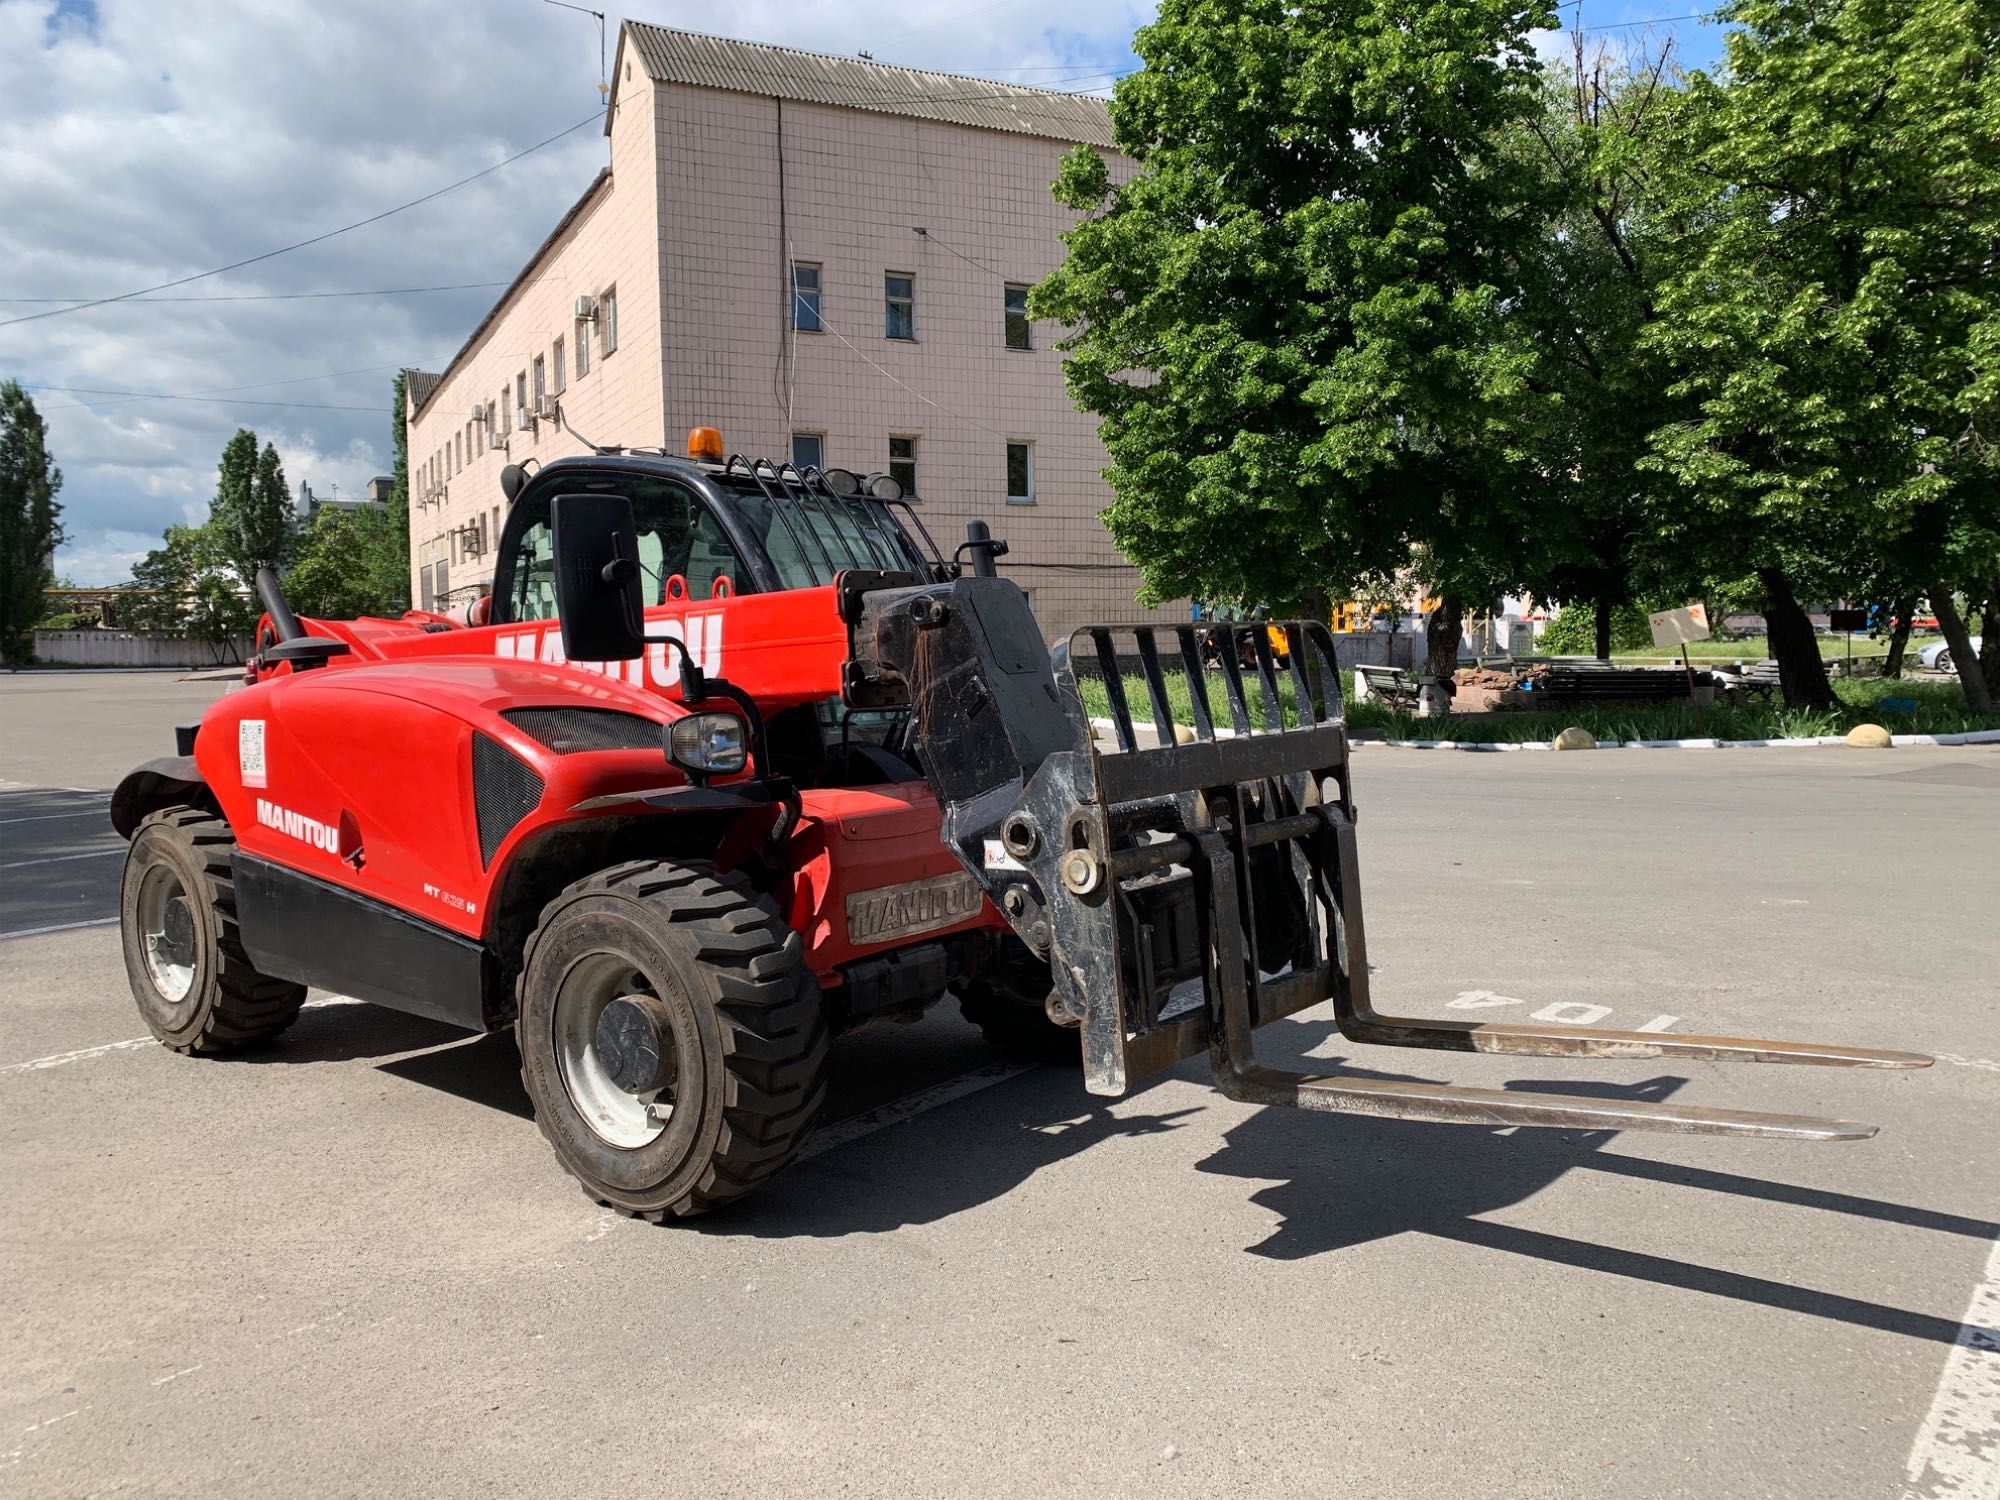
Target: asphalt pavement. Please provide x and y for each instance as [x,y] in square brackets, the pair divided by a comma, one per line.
[349,1266]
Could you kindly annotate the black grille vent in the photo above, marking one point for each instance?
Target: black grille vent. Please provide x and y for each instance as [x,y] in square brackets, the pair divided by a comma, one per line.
[503,792]
[570,730]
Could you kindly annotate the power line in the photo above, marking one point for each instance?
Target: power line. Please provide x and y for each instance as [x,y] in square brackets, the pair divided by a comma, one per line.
[56,312]
[1651,21]
[392,291]
[930,237]
[227,390]
[84,390]
[940,406]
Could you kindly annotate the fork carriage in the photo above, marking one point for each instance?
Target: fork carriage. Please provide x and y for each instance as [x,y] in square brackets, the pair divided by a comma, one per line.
[1193,878]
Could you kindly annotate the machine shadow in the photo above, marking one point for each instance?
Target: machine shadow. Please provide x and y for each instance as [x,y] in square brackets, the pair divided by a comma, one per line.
[1334,1181]
[478,1069]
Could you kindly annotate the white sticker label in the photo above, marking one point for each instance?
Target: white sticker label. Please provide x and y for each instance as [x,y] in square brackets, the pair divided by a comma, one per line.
[997,857]
[250,751]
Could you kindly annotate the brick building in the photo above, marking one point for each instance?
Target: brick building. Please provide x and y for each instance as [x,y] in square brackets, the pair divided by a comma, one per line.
[826,259]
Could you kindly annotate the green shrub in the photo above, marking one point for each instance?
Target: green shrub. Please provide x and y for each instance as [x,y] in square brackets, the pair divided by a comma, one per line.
[1573,632]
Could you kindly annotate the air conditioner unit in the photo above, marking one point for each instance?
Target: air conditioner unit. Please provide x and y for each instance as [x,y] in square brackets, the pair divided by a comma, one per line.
[523,418]
[586,309]
[545,408]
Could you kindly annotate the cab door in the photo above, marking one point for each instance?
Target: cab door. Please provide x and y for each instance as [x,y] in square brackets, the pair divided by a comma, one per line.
[685,555]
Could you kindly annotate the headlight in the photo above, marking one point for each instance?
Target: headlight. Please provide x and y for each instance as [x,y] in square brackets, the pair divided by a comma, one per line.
[710,744]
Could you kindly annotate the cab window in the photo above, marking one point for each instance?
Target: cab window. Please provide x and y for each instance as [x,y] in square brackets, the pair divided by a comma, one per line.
[677,535]
[533,593]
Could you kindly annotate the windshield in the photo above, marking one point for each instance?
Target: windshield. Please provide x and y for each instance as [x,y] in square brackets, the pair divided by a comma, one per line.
[809,537]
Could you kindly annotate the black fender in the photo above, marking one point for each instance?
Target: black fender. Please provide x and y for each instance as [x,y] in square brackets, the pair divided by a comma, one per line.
[170,781]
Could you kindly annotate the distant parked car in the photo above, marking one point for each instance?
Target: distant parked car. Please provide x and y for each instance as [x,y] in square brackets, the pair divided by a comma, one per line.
[1937,655]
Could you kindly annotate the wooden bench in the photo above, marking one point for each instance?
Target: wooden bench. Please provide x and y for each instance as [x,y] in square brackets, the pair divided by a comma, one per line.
[1618,684]
[1392,685]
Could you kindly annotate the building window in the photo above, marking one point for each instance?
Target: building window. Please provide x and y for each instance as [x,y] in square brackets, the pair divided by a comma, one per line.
[541,387]
[1020,473]
[899,306]
[521,397]
[809,450]
[903,463]
[607,320]
[502,416]
[805,297]
[582,347]
[1020,332]
[556,361]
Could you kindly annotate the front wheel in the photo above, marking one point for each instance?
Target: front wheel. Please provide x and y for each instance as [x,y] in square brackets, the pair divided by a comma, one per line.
[1943,662]
[672,1040]
[196,987]
[1008,1002]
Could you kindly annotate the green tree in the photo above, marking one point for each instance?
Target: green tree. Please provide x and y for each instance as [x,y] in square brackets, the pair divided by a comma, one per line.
[252,509]
[1591,283]
[188,586]
[30,521]
[399,493]
[1836,329]
[350,563]
[1292,321]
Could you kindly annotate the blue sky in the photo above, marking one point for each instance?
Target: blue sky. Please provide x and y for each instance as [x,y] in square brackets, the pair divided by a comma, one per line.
[143,141]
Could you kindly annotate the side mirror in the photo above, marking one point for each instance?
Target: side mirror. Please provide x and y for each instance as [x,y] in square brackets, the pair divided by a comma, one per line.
[598,601]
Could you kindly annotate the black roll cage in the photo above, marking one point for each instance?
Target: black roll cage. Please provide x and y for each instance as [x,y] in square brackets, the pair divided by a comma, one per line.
[885,533]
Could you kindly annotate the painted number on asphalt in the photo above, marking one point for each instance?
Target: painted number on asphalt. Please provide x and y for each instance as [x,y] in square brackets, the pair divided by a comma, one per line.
[1560,1013]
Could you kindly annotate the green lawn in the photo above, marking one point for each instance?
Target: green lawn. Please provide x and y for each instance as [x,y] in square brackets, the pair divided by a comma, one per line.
[1935,707]
[1758,648]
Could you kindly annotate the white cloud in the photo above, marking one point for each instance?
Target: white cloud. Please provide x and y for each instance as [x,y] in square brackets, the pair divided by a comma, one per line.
[146,141]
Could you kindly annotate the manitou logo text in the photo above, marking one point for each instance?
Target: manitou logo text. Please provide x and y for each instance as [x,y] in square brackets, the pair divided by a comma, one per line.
[898,911]
[660,667]
[298,826]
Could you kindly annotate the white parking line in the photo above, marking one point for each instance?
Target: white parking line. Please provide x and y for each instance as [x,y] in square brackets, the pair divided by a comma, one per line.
[1984,1064]
[1957,1452]
[81,812]
[60,927]
[56,859]
[85,1054]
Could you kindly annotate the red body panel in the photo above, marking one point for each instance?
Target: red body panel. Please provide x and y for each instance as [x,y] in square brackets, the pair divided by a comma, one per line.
[857,839]
[783,649]
[360,772]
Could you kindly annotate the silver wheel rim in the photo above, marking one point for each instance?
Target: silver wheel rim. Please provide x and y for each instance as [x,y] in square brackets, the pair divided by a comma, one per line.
[616,1117]
[166,933]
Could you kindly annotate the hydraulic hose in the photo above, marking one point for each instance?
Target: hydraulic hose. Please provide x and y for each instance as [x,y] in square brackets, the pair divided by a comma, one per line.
[277,607]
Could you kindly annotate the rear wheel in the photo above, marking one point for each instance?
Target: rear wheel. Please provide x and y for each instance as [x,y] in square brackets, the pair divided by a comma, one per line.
[671,1038]
[196,987]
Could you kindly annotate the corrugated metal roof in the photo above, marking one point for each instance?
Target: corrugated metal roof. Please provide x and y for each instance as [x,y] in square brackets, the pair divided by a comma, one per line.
[420,384]
[715,62]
